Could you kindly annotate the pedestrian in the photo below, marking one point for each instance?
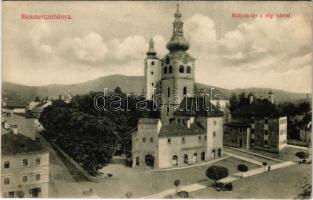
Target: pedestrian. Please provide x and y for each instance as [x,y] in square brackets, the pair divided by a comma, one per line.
[269,168]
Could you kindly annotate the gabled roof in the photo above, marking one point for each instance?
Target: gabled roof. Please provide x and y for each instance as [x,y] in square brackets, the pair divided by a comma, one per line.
[197,106]
[181,130]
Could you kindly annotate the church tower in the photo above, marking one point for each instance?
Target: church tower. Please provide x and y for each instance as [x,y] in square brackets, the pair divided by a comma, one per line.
[152,71]
[177,71]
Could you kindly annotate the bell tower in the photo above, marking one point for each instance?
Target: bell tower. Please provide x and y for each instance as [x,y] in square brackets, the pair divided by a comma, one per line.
[152,71]
[177,71]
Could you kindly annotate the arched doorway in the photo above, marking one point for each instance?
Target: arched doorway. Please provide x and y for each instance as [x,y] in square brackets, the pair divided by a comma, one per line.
[175,160]
[149,160]
[203,156]
[195,158]
[213,153]
[186,159]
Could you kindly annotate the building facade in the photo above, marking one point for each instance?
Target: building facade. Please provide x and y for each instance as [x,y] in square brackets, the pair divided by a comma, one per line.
[256,124]
[187,132]
[24,168]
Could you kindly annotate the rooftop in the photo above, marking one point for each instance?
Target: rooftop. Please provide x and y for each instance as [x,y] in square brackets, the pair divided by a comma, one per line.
[181,130]
[12,144]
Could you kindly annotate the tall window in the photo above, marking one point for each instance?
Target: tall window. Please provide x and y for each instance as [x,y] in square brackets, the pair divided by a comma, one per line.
[25,162]
[152,63]
[168,92]
[266,120]
[165,70]
[185,90]
[37,177]
[188,69]
[6,164]
[170,69]
[25,178]
[168,111]
[181,69]
[38,161]
[265,132]
[6,181]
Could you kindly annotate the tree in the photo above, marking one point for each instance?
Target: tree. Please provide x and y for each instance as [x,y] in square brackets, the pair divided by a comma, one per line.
[216,172]
[118,90]
[177,183]
[302,155]
[233,101]
[242,168]
[304,107]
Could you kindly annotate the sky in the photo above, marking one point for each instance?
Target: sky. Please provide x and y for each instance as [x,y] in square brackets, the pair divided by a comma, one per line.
[105,38]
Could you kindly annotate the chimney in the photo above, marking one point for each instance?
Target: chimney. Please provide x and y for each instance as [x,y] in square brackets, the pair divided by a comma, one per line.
[188,123]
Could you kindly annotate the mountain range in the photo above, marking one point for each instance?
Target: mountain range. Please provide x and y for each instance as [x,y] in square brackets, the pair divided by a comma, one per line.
[22,94]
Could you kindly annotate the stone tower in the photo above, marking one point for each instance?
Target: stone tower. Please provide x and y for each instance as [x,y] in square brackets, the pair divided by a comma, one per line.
[177,71]
[152,71]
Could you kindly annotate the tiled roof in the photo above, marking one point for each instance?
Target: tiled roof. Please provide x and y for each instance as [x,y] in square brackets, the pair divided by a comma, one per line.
[181,130]
[16,144]
[197,106]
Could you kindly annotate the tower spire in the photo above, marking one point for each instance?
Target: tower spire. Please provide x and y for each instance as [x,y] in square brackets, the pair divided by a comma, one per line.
[151,50]
[177,42]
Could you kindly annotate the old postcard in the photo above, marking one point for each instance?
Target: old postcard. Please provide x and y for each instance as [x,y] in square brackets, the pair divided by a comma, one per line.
[156,99]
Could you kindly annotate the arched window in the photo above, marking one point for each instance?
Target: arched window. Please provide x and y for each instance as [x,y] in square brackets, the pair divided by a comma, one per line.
[186,159]
[175,160]
[185,91]
[152,63]
[168,92]
[181,69]
[170,69]
[165,70]
[188,69]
